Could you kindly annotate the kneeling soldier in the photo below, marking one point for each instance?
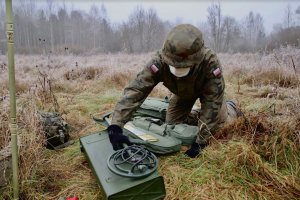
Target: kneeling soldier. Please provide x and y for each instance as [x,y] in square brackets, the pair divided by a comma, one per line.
[190,71]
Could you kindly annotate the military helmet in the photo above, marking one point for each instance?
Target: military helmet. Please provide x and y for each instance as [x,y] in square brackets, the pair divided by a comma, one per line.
[183,46]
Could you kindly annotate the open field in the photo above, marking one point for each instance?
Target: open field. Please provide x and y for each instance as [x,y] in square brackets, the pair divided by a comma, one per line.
[258,157]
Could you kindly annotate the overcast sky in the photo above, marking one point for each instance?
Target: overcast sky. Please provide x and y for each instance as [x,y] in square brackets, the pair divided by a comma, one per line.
[191,11]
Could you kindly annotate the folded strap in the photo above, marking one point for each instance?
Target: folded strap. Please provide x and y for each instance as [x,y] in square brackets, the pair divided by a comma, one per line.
[103,119]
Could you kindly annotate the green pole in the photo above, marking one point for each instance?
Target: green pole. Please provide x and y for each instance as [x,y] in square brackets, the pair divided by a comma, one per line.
[12,95]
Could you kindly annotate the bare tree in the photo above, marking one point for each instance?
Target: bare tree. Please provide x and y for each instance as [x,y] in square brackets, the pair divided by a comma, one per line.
[127,37]
[25,24]
[105,34]
[94,20]
[1,9]
[2,29]
[137,19]
[297,11]
[77,31]
[144,31]
[49,13]
[63,20]
[288,19]
[214,20]
[154,31]
[103,12]
[253,31]
[259,31]
[230,32]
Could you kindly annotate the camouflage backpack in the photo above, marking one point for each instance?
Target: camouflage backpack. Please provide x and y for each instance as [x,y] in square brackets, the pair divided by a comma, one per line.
[55,128]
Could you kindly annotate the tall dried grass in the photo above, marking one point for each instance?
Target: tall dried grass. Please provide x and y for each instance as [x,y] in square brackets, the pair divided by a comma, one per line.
[280,67]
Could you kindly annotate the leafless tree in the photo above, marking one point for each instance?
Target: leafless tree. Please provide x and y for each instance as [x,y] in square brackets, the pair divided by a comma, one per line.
[49,14]
[214,20]
[297,11]
[94,15]
[288,19]
[154,31]
[2,29]
[253,31]
[230,32]
[127,37]
[63,25]
[143,32]
[137,19]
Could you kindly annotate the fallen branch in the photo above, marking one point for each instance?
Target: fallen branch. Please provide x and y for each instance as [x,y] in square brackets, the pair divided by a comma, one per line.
[294,67]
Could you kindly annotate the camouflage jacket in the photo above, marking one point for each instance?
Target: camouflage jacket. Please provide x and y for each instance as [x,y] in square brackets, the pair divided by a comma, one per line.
[205,81]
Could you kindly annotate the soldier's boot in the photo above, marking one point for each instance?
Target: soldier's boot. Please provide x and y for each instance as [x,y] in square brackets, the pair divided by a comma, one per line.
[233,107]
[229,112]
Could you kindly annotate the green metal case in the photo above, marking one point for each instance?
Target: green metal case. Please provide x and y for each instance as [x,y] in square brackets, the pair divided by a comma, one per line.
[97,149]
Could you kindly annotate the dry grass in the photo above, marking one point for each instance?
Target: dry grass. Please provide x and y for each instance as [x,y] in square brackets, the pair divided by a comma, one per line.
[279,68]
[257,157]
[270,77]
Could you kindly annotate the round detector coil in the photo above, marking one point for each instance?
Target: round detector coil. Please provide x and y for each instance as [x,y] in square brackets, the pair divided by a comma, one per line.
[133,162]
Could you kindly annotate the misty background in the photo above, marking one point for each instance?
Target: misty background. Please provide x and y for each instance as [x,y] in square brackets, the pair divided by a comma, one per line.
[59,27]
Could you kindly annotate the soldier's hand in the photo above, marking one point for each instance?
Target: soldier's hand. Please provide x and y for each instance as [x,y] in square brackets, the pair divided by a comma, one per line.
[116,137]
[194,150]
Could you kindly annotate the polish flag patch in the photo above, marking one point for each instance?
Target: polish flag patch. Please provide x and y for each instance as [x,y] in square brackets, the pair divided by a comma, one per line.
[153,68]
[217,72]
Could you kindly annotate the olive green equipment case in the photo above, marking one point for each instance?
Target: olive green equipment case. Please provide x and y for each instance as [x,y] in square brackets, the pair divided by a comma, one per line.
[97,149]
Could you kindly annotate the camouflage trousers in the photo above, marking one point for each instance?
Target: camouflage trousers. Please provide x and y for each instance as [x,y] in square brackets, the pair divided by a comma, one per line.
[182,111]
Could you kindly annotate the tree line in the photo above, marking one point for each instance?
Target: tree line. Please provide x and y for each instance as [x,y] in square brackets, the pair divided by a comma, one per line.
[59,29]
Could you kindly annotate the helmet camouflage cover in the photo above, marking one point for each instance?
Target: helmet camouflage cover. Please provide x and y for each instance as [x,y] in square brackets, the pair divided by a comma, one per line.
[183,46]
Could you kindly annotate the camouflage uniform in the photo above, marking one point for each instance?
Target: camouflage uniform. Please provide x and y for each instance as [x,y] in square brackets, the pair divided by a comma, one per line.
[204,82]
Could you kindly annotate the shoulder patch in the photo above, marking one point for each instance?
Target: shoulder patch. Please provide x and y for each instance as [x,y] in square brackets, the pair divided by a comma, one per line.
[217,72]
[154,69]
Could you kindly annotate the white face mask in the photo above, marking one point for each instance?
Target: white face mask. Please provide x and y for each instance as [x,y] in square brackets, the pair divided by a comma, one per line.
[179,72]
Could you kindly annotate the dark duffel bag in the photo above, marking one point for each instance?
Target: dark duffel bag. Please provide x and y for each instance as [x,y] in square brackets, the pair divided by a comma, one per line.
[55,128]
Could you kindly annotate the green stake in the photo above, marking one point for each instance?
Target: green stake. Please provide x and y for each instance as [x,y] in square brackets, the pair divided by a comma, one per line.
[12,95]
